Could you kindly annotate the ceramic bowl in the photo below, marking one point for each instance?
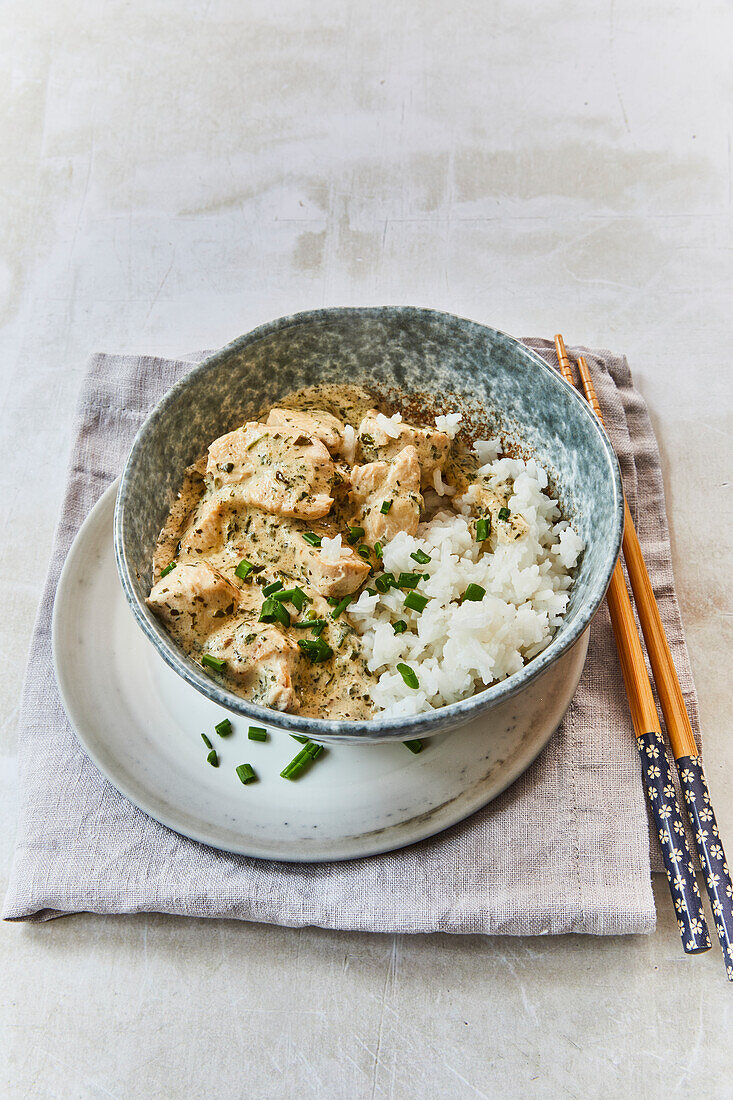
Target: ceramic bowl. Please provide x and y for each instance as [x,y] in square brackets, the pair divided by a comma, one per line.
[490,376]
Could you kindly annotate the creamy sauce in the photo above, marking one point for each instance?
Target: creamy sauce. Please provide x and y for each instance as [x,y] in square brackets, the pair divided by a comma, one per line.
[253,497]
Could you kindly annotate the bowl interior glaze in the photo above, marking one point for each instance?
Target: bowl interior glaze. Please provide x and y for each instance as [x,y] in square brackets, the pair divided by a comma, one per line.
[478,369]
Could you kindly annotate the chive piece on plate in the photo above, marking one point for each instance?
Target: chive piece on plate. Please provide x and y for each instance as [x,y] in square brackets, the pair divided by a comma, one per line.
[421,557]
[304,759]
[246,773]
[311,538]
[169,567]
[244,569]
[223,728]
[384,583]
[409,580]
[213,759]
[269,589]
[378,549]
[206,741]
[363,551]
[298,737]
[408,675]
[355,533]
[503,513]
[475,593]
[415,601]
[257,733]
[386,505]
[415,745]
[483,528]
[400,626]
[341,606]
[217,663]
[316,649]
[273,611]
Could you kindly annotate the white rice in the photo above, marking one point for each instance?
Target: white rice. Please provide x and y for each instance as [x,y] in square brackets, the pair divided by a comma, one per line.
[457,648]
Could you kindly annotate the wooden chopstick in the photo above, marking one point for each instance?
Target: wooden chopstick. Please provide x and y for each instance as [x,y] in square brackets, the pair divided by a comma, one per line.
[698,804]
[657,776]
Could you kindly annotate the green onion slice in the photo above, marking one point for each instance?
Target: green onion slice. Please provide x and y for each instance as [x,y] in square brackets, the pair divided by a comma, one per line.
[355,533]
[415,601]
[341,606]
[244,569]
[421,557]
[386,505]
[217,663]
[483,528]
[385,582]
[223,728]
[400,626]
[378,549]
[363,551]
[409,580]
[295,596]
[206,741]
[310,752]
[316,649]
[504,513]
[269,589]
[257,733]
[169,567]
[246,773]
[408,675]
[213,759]
[273,611]
[311,538]
[475,593]
[415,745]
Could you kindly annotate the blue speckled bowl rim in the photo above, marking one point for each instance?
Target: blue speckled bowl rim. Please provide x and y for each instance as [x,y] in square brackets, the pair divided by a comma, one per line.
[453,714]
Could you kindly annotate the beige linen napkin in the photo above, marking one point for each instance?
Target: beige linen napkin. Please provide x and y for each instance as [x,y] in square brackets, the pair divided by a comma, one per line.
[565,849]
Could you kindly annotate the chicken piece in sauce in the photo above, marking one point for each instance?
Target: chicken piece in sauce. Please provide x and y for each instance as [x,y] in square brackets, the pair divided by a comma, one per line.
[279,469]
[313,422]
[191,600]
[261,660]
[392,486]
[382,438]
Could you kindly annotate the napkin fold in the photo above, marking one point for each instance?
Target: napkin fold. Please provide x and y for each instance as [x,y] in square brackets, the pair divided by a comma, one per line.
[565,849]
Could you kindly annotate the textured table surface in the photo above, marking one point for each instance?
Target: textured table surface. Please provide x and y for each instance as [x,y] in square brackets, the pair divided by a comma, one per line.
[174,174]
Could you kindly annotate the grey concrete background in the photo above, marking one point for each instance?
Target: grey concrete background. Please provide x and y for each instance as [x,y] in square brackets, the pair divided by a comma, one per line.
[175,173]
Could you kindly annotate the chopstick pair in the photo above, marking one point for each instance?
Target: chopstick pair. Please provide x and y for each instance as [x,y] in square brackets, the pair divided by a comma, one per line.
[658,783]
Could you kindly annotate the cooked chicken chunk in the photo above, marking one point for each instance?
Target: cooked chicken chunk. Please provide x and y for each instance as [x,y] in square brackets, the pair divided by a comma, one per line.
[280,469]
[191,600]
[483,500]
[206,531]
[334,578]
[395,485]
[382,437]
[262,661]
[314,422]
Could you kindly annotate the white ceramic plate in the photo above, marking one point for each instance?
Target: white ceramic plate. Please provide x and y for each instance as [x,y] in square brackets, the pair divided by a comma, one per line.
[141,724]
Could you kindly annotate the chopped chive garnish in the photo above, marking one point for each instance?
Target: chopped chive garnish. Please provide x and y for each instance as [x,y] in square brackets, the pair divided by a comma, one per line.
[355,533]
[269,589]
[415,746]
[400,626]
[408,675]
[333,600]
[213,759]
[386,505]
[409,580]
[475,593]
[310,752]
[217,663]
[273,611]
[170,566]
[297,737]
[318,626]
[316,649]
[378,549]
[223,728]
[246,773]
[483,527]
[311,538]
[244,569]
[371,591]
[295,596]
[503,513]
[384,583]
[363,551]
[421,557]
[309,624]
[257,733]
[341,606]
[415,601]
[206,741]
